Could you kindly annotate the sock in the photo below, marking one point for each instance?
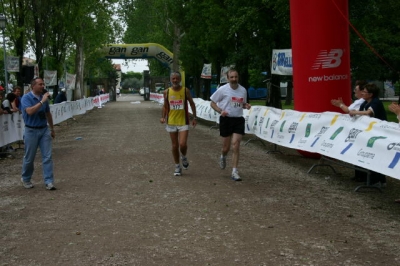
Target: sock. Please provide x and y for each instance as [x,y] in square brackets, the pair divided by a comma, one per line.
[183,156]
[222,156]
[177,165]
[234,170]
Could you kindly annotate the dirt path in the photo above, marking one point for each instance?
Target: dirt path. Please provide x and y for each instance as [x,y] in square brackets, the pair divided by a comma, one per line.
[118,203]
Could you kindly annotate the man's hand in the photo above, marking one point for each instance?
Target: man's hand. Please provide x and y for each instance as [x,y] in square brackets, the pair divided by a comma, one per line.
[45,97]
[247,106]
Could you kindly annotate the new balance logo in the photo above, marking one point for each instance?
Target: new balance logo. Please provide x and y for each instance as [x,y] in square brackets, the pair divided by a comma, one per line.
[328,60]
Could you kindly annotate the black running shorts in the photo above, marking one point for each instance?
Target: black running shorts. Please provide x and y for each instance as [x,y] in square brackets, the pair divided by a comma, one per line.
[230,125]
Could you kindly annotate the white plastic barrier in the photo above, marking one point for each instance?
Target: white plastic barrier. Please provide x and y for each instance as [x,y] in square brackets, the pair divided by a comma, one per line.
[363,141]
[12,125]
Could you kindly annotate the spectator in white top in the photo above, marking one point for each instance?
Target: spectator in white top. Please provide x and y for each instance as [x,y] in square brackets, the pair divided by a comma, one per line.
[10,86]
[357,103]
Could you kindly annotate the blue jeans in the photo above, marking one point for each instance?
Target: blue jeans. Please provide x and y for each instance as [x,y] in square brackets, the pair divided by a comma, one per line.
[34,138]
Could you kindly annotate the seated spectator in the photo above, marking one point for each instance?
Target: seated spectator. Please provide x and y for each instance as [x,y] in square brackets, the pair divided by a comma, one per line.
[61,97]
[7,103]
[372,107]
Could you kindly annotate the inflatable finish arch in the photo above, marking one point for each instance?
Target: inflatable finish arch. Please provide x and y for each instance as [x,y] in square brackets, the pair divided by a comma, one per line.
[321,54]
[141,51]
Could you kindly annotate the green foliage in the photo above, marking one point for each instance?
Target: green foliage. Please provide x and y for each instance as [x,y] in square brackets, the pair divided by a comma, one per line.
[209,31]
[256,79]
[131,74]
[131,79]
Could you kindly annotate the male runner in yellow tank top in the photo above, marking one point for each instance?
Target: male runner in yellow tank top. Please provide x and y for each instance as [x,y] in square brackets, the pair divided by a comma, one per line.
[175,114]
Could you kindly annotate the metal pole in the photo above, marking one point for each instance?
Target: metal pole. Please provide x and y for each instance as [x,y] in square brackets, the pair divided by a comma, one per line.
[5,62]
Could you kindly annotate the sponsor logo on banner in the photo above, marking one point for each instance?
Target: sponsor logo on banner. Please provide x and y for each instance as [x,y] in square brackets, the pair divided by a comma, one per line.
[319,134]
[282,62]
[365,154]
[353,135]
[372,140]
[394,146]
[336,133]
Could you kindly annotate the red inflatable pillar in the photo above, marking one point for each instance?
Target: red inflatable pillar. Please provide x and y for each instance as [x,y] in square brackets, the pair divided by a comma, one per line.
[321,54]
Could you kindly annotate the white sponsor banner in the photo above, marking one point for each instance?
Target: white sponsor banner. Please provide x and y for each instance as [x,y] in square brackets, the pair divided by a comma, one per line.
[101,99]
[50,77]
[224,74]
[206,72]
[282,62]
[12,63]
[70,83]
[10,128]
[11,125]
[157,97]
[363,141]
[61,112]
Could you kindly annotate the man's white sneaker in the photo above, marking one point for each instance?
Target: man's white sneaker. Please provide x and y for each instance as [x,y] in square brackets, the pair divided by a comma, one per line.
[178,171]
[235,176]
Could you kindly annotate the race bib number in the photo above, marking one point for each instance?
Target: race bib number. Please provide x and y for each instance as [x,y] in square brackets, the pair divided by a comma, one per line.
[237,102]
[176,104]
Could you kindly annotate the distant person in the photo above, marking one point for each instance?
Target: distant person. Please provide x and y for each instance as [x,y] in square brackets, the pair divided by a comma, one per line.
[17,103]
[10,86]
[176,115]
[229,101]
[372,107]
[118,92]
[61,97]
[38,133]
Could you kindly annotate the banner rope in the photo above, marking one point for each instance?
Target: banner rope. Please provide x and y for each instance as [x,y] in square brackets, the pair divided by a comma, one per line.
[363,39]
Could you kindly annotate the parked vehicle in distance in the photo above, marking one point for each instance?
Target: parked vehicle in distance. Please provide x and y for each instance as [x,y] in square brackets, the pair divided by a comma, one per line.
[160,87]
[141,91]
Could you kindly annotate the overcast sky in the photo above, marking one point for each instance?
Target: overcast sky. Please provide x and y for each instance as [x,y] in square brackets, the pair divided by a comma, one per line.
[137,65]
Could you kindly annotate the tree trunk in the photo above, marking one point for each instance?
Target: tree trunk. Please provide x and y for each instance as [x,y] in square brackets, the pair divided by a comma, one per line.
[176,48]
[79,70]
[274,99]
